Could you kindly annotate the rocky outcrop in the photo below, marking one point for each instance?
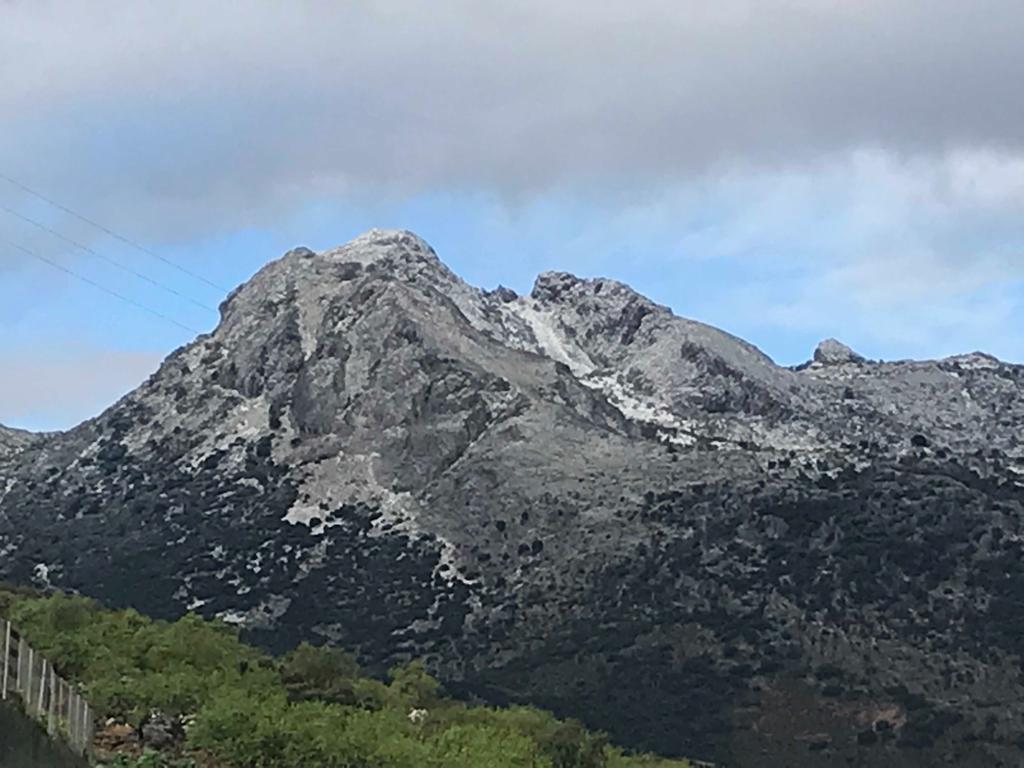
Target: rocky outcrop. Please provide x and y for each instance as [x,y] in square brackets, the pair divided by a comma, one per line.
[13,440]
[833,352]
[574,498]
[161,732]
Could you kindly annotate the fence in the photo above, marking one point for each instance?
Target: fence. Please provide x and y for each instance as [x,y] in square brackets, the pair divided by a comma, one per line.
[44,694]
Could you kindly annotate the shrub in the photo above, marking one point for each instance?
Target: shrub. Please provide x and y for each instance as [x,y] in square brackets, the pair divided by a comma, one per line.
[324,673]
[313,707]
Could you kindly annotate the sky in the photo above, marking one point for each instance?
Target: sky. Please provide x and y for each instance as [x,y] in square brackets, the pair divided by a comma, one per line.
[788,170]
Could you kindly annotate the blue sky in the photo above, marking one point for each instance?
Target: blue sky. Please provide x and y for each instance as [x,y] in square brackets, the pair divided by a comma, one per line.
[780,170]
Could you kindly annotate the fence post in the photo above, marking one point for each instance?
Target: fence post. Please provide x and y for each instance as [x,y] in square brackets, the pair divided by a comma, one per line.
[7,656]
[83,733]
[65,704]
[26,692]
[72,718]
[42,686]
[78,722]
[86,728]
[51,714]
[20,682]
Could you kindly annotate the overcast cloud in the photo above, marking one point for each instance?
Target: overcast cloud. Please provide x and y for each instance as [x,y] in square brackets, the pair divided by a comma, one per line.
[225,109]
[863,158]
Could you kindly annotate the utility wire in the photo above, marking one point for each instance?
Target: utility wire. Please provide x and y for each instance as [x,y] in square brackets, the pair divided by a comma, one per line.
[98,255]
[110,232]
[94,284]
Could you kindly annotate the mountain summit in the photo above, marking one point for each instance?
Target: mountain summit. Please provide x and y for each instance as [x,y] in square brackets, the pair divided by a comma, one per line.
[573,498]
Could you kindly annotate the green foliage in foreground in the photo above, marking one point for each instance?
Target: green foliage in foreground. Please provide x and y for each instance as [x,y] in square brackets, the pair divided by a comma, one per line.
[314,707]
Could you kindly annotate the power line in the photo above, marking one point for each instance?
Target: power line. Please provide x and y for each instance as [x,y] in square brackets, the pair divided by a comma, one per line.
[110,232]
[94,284]
[98,255]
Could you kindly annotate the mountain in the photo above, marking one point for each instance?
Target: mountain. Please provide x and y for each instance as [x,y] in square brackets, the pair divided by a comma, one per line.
[13,440]
[573,498]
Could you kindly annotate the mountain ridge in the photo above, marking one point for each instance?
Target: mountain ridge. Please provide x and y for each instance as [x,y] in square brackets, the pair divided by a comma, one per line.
[566,497]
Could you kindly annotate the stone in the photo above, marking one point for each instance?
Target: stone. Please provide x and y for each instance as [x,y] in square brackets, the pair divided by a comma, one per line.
[833,352]
[160,731]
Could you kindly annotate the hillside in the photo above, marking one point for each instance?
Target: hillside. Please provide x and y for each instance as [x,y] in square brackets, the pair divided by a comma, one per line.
[190,695]
[573,498]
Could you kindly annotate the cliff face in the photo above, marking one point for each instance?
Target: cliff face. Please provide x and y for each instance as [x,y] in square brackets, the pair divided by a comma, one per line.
[573,497]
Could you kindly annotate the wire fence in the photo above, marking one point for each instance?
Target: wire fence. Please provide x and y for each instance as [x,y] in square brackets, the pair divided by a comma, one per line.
[44,694]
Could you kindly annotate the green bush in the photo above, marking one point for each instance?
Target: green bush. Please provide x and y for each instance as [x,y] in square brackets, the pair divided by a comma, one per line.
[320,673]
[130,664]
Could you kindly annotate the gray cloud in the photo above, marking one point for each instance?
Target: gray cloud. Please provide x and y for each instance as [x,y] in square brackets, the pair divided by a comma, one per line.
[216,113]
[882,143]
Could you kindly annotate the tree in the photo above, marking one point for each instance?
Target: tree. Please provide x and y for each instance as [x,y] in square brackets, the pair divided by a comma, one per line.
[413,685]
[324,673]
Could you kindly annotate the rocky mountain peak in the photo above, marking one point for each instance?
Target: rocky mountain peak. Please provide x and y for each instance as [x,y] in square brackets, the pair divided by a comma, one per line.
[399,250]
[834,352]
[297,289]
[398,254]
[650,361]
[567,288]
[502,294]
[554,286]
[976,361]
